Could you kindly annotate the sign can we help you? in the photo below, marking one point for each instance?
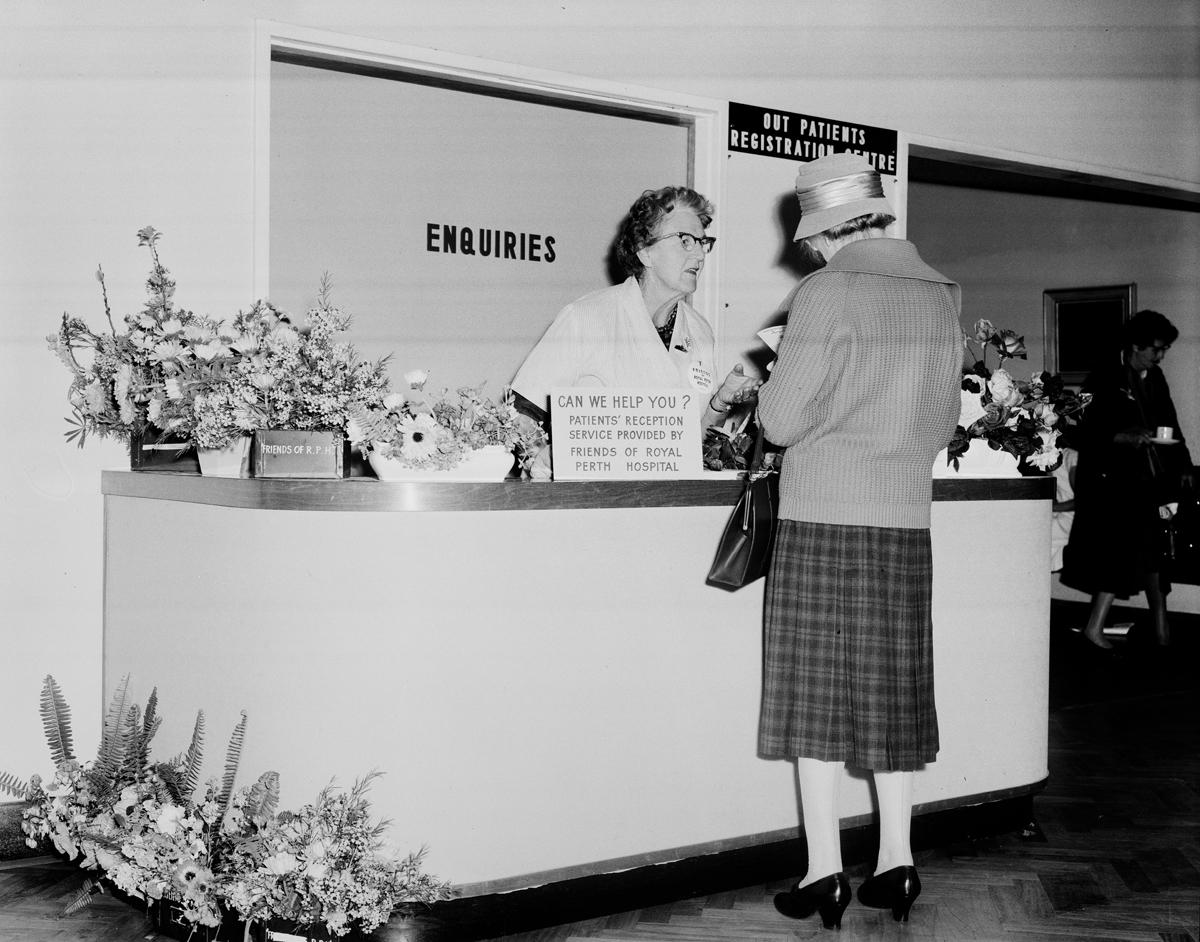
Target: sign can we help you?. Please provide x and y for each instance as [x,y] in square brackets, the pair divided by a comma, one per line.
[610,434]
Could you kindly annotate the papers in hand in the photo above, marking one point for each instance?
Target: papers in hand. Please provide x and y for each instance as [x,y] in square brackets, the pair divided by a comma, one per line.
[771,337]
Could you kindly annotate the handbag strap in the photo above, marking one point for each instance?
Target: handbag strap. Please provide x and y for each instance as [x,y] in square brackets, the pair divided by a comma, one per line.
[755,468]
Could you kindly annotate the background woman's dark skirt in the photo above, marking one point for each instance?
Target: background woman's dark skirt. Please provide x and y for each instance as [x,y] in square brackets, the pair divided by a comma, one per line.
[848,651]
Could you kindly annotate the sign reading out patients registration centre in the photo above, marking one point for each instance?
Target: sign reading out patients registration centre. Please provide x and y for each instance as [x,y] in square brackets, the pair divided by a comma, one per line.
[605,434]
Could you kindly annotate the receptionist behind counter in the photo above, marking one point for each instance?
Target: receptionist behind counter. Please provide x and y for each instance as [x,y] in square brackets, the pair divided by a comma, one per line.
[641,332]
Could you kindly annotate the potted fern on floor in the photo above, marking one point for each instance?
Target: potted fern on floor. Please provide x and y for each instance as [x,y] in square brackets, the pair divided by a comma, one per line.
[210,862]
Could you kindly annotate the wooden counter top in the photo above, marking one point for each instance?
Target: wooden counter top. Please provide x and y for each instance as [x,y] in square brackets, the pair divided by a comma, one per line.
[369,494]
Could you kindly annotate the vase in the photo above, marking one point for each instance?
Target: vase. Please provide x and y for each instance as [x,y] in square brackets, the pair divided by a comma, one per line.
[232,461]
[980,460]
[166,916]
[489,463]
[152,449]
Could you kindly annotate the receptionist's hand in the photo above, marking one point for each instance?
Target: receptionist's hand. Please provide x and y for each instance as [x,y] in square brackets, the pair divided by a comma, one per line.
[736,390]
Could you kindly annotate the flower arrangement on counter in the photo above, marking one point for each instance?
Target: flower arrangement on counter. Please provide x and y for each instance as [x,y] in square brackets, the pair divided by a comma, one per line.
[121,381]
[214,852]
[1019,417]
[208,382]
[423,432]
[202,379]
[727,449]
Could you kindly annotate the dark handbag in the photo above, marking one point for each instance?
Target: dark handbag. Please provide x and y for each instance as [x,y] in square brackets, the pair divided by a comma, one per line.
[744,550]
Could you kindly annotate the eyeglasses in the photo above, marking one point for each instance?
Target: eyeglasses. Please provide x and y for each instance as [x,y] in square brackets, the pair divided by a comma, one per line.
[688,241]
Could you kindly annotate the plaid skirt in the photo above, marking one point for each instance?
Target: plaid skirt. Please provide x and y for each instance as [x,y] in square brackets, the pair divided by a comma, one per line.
[848,647]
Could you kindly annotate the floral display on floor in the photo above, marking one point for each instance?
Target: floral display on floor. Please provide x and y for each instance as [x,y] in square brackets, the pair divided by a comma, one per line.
[1021,417]
[151,830]
[166,370]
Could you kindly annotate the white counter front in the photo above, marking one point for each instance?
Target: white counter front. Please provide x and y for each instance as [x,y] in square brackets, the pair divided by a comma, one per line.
[539,669]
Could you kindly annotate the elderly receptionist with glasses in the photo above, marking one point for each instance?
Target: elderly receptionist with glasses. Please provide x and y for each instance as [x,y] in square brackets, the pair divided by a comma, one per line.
[641,332]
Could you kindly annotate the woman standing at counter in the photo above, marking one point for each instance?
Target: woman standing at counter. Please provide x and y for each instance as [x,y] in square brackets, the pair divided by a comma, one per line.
[864,394]
[642,332]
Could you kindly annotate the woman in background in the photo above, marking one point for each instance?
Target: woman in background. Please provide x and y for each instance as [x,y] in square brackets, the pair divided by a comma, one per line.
[1125,475]
[642,332]
[864,394]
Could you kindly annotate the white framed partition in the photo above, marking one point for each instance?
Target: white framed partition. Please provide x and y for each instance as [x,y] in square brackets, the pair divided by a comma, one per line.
[376,162]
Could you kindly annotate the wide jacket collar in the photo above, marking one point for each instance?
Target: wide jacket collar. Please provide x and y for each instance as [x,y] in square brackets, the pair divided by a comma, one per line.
[884,256]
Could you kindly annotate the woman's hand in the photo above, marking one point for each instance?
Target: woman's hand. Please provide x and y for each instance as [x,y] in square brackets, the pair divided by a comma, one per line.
[736,390]
[1133,437]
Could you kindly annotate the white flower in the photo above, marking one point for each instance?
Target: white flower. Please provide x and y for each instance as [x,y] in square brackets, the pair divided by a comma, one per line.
[280,864]
[283,338]
[393,401]
[174,391]
[416,378]
[971,409]
[316,870]
[1004,391]
[122,381]
[419,437]
[169,819]
[170,350]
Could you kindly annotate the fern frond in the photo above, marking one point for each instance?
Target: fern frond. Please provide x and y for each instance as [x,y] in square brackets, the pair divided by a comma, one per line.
[233,756]
[111,757]
[195,756]
[150,723]
[374,425]
[81,900]
[172,780]
[56,721]
[14,786]
[263,798]
[130,732]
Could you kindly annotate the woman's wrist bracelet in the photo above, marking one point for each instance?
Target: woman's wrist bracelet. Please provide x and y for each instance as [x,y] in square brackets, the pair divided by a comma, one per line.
[714,407]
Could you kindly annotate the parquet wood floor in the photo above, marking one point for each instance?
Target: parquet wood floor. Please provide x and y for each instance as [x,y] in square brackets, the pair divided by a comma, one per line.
[1117,859]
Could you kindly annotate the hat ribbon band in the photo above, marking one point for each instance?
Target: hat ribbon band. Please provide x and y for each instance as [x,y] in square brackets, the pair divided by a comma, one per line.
[831,193]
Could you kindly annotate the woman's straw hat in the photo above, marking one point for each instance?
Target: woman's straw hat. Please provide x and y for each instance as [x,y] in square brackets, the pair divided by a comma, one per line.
[835,189]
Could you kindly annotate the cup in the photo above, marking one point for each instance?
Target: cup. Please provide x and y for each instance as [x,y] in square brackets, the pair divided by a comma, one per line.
[1164,432]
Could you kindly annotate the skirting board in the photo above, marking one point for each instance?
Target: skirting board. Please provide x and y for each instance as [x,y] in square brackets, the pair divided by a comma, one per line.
[572,900]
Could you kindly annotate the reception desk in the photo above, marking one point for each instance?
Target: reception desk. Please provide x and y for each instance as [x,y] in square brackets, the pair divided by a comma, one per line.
[539,669]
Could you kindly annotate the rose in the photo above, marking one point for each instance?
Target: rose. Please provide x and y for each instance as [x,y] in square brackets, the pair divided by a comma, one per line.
[1009,344]
[1004,391]
[993,416]
[984,330]
[1045,413]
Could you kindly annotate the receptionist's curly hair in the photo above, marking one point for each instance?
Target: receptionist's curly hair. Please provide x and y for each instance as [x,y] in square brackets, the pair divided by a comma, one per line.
[644,216]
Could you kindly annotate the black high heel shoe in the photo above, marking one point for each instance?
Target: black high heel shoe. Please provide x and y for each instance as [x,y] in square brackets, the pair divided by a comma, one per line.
[829,896]
[896,889]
